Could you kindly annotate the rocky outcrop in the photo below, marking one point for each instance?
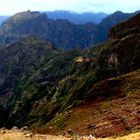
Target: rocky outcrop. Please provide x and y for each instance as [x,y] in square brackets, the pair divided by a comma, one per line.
[121,53]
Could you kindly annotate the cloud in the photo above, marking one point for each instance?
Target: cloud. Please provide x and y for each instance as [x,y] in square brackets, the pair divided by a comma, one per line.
[109,6]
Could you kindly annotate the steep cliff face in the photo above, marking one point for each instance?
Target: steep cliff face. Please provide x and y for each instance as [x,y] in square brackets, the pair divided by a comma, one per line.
[121,53]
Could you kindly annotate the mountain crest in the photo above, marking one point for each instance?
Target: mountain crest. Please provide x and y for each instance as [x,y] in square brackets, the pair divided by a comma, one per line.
[24,16]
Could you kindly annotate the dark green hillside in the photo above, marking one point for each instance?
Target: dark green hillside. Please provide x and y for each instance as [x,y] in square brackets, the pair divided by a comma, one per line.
[20,60]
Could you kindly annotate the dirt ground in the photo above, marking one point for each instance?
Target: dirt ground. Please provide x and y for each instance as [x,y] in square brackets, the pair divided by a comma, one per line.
[18,135]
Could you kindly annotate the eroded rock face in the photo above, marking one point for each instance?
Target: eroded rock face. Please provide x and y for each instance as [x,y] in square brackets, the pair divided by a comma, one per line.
[113,62]
[121,53]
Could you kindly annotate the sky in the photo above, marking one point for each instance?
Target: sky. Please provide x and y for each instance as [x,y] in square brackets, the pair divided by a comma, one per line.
[10,7]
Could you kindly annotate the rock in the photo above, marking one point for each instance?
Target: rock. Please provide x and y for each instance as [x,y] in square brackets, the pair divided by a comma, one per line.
[90,137]
[14,128]
[3,128]
[70,132]
[29,135]
[3,131]
[25,128]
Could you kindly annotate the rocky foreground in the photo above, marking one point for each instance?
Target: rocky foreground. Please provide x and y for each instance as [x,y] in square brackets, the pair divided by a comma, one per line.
[16,134]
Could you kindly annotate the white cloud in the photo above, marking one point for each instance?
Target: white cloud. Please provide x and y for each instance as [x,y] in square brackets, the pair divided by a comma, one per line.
[13,6]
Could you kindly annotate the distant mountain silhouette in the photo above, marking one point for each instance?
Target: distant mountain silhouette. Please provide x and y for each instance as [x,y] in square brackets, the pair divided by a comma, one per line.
[76,17]
[60,32]
[109,22]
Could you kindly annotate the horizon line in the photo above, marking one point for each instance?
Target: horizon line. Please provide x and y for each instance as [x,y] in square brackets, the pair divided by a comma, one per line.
[70,11]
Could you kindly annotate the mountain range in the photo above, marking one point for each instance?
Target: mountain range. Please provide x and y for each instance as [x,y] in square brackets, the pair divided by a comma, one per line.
[57,75]
[62,33]
[50,90]
[77,18]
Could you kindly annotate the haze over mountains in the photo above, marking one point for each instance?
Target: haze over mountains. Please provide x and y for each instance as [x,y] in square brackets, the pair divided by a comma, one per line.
[76,17]
[73,17]
[60,32]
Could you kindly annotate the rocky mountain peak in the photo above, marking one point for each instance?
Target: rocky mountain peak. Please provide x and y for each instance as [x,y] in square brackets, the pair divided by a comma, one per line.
[23,16]
[117,13]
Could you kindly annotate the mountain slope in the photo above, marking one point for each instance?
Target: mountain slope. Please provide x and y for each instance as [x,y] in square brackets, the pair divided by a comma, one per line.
[19,61]
[3,18]
[121,53]
[107,23]
[46,88]
[111,108]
